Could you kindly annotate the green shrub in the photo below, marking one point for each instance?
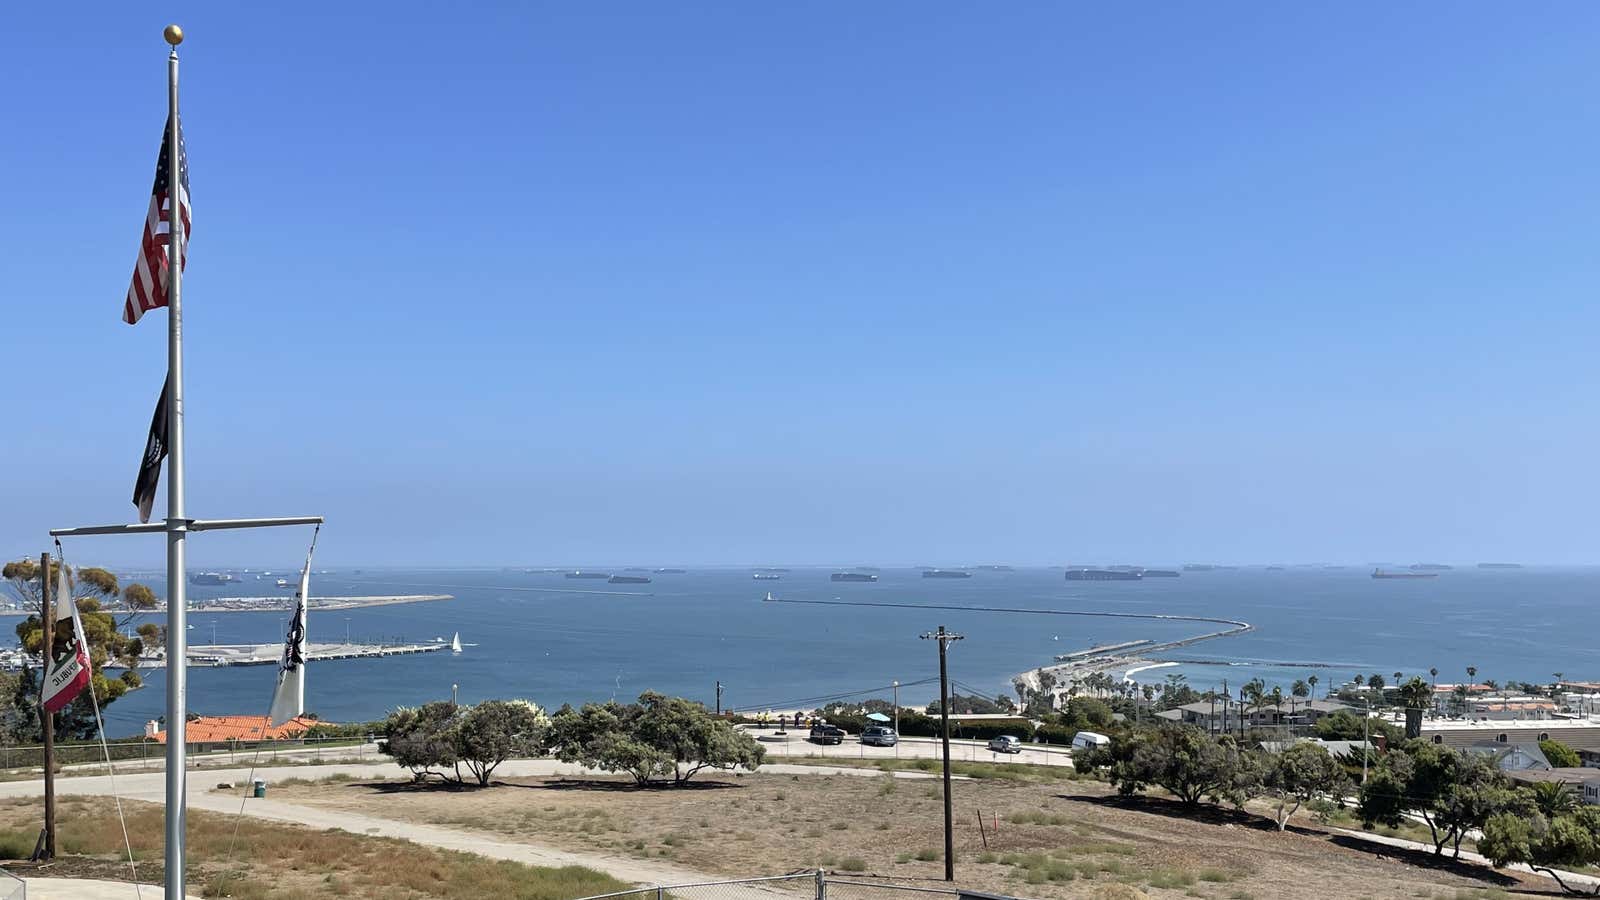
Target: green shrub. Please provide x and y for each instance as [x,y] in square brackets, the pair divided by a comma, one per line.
[927,854]
[852,864]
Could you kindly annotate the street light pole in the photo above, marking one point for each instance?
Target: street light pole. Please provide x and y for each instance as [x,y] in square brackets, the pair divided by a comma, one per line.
[944,638]
[896,685]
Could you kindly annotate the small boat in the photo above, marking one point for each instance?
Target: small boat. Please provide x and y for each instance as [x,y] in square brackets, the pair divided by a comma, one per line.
[769,598]
[455,643]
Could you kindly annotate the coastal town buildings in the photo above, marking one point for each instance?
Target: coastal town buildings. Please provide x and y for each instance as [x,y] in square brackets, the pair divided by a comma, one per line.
[1224,716]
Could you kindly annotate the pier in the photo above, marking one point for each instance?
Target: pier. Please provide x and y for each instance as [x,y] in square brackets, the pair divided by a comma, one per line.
[270,654]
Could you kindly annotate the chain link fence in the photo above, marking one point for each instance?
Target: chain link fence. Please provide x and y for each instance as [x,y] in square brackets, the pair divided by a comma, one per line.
[818,885]
[222,753]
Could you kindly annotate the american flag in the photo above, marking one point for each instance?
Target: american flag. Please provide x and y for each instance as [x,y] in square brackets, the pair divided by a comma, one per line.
[149,287]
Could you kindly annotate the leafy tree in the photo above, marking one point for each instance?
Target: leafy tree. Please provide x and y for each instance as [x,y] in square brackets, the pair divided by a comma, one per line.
[1375,681]
[1189,763]
[961,705]
[1452,792]
[494,731]
[596,737]
[1299,775]
[1560,755]
[422,739]
[1345,725]
[1568,840]
[651,739]
[438,739]
[1088,712]
[691,737]
[102,631]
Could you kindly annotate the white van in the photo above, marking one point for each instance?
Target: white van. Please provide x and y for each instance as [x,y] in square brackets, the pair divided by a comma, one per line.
[1088,740]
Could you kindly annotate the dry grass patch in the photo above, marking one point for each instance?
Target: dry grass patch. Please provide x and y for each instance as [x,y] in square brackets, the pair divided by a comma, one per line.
[271,861]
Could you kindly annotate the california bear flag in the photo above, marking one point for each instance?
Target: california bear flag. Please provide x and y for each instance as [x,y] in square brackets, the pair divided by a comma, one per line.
[289,699]
[68,673]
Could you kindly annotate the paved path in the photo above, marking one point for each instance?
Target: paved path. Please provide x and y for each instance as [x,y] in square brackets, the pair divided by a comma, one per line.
[1572,878]
[90,889]
[795,744]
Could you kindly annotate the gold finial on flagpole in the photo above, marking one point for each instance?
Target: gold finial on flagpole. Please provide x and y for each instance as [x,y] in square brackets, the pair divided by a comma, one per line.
[173,34]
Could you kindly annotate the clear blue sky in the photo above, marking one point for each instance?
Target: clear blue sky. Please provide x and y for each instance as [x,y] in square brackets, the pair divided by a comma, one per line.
[745,283]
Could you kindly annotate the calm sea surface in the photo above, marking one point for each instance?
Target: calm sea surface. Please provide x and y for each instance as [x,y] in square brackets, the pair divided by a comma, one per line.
[683,633]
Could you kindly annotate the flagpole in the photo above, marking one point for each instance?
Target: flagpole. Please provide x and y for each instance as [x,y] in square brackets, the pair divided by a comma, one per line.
[177,526]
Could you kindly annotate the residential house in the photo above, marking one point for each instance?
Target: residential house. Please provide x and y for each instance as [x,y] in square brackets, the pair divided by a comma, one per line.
[1511,757]
[1583,783]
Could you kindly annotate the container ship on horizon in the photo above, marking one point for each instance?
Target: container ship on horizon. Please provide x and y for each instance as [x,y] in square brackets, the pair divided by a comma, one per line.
[945,573]
[853,576]
[1379,573]
[1105,575]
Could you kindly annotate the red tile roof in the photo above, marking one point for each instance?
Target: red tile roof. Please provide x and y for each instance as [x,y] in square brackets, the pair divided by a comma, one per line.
[218,729]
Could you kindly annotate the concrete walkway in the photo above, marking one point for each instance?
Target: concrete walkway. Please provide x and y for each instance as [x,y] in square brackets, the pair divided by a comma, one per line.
[1571,878]
[91,889]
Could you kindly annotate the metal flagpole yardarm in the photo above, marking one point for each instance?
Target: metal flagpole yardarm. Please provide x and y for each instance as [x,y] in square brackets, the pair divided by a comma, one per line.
[177,525]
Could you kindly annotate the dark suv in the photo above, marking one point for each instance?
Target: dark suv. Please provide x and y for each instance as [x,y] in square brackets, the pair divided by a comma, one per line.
[827,734]
[879,736]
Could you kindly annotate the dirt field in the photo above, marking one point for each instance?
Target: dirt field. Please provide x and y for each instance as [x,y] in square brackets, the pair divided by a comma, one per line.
[271,861]
[1058,838]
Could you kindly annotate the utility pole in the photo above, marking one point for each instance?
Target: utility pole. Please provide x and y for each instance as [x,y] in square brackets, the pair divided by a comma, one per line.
[944,638]
[47,719]
[1366,738]
[719,698]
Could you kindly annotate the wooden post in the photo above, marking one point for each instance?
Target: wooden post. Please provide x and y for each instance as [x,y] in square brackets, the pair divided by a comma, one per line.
[48,719]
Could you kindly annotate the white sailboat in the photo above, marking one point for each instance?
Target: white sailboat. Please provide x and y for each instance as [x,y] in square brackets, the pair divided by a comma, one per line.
[455,643]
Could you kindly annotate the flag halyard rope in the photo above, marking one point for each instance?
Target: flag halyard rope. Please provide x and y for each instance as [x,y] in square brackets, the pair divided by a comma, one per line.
[105,749]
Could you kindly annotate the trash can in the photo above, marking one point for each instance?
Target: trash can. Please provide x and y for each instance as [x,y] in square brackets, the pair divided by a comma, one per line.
[260,787]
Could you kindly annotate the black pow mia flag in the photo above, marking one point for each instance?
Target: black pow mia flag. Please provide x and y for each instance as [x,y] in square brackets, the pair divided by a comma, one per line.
[155,450]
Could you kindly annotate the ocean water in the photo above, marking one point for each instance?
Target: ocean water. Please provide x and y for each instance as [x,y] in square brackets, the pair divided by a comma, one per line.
[542,637]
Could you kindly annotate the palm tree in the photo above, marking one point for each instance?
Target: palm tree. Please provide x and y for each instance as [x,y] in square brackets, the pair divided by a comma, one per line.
[1277,701]
[1312,680]
[1415,695]
[1299,690]
[1359,680]
[1433,672]
[1472,673]
[1255,691]
[1553,798]
[1398,677]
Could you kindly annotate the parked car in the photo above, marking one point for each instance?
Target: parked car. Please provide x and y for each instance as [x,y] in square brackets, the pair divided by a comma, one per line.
[1006,743]
[879,736]
[827,734]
